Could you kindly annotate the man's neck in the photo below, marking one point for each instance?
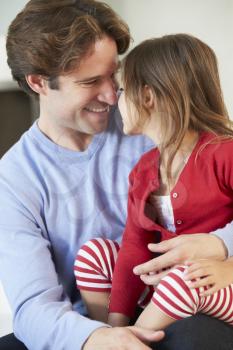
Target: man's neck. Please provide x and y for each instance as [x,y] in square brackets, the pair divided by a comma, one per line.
[69,139]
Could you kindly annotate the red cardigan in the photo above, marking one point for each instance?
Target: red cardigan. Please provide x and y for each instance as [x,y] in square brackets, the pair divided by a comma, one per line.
[202,202]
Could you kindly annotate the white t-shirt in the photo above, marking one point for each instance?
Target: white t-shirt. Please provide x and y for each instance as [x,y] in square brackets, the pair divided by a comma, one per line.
[164,211]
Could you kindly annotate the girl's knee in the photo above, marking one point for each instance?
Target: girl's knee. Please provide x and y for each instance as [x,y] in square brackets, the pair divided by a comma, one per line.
[95,262]
[98,249]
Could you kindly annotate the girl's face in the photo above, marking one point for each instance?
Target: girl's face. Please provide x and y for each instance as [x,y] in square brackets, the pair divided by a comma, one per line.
[130,120]
[147,124]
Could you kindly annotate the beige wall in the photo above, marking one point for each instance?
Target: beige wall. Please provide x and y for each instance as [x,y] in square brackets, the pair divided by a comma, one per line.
[8,10]
[210,20]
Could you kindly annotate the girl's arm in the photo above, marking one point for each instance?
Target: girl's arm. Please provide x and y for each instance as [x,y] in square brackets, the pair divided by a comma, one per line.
[126,286]
[118,320]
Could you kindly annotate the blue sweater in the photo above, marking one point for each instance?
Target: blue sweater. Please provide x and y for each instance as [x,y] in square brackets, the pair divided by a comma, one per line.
[52,201]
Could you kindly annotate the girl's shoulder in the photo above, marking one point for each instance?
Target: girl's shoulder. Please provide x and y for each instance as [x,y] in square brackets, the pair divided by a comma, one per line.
[216,144]
[147,166]
[216,150]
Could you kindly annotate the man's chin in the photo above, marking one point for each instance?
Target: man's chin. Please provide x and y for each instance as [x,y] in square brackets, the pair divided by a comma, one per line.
[101,127]
[100,130]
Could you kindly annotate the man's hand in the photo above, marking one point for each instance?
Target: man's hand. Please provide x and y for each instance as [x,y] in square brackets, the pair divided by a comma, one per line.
[177,251]
[209,273]
[122,338]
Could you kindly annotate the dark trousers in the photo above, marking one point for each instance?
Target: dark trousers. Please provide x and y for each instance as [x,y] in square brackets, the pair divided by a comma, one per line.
[9,342]
[199,332]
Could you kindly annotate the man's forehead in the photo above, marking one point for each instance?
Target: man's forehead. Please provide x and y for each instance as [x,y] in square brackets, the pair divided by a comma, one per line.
[86,72]
[102,53]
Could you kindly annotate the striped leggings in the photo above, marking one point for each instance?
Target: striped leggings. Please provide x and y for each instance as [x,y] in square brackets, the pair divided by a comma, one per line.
[94,266]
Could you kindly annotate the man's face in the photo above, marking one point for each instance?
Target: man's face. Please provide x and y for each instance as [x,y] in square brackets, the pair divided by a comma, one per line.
[80,107]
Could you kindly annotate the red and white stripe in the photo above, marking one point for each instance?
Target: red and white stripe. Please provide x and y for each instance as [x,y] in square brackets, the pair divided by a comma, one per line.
[94,265]
[174,297]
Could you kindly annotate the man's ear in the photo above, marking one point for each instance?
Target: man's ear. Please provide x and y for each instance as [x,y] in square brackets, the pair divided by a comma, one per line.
[37,83]
[148,97]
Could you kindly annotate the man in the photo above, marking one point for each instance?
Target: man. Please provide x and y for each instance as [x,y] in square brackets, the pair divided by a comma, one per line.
[65,181]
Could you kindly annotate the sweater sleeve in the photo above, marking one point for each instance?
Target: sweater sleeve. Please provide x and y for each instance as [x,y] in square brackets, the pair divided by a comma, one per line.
[226,175]
[43,315]
[226,235]
[127,287]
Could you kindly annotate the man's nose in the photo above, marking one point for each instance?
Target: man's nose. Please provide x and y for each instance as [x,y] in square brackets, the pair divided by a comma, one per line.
[108,92]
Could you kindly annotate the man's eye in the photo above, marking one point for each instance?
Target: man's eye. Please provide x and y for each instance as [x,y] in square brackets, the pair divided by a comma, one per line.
[88,83]
[114,76]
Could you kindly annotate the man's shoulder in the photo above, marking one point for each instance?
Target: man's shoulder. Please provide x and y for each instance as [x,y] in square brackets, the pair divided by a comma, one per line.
[15,152]
[19,159]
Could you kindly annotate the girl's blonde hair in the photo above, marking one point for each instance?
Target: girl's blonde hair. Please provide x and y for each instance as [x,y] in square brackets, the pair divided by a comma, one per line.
[182,73]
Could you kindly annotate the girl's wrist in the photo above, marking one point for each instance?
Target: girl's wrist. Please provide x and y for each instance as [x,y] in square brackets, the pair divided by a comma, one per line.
[118,320]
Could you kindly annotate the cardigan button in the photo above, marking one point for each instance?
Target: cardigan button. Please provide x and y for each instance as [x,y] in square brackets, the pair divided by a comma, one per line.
[179,222]
[175,195]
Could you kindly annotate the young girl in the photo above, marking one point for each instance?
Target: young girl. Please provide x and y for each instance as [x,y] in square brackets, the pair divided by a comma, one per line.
[183,186]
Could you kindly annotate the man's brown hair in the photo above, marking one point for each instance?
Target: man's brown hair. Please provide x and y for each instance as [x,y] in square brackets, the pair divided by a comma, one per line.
[50,37]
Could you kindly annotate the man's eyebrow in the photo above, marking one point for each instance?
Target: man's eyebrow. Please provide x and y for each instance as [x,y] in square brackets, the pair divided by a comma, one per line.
[88,79]
[96,77]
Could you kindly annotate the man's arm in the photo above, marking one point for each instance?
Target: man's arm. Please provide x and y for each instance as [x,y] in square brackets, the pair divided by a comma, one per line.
[225,234]
[43,316]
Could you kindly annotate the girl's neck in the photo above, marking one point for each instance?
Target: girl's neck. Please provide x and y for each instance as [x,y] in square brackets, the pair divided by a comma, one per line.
[188,144]
[181,158]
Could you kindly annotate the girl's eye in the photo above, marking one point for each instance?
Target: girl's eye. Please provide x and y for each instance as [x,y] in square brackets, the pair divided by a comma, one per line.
[119,92]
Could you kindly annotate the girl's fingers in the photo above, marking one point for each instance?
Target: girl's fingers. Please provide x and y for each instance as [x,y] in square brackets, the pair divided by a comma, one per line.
[209,291]
[200,282]
[199,273]
[154,279]
[195,265]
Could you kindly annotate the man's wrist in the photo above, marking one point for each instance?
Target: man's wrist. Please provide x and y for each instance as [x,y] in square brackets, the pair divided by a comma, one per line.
[92,333]
[224,251]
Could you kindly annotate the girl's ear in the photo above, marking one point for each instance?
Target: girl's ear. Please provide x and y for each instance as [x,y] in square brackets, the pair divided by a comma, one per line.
[148,97]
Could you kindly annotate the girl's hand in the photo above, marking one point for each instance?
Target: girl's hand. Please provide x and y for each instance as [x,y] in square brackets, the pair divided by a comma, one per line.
[208,273]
